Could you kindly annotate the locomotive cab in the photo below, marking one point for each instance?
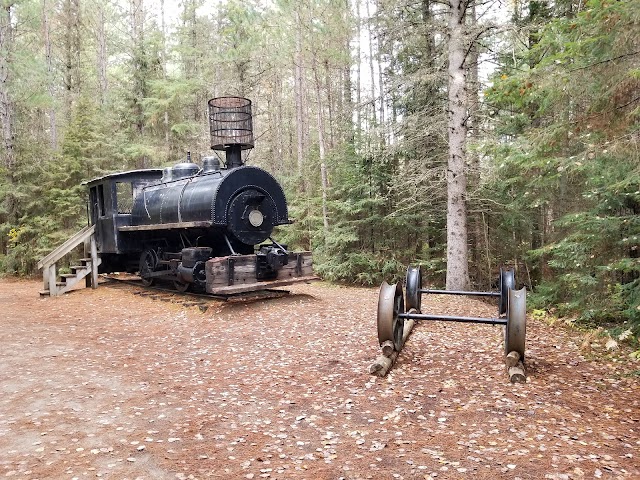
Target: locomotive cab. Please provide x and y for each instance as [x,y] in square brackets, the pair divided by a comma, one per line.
[109,207]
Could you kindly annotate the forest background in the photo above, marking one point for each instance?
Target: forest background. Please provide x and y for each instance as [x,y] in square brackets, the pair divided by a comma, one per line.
[352,113]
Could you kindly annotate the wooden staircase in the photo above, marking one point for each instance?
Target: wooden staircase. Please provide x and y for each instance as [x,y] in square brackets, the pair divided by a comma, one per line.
[88,269]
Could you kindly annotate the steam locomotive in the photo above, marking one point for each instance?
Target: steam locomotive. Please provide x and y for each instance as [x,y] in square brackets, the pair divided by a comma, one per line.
[203,227]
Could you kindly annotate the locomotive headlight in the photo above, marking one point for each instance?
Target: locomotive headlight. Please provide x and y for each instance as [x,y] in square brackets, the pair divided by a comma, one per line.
[256,218]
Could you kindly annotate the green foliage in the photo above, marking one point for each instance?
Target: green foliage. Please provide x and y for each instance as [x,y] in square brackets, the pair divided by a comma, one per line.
[570,183]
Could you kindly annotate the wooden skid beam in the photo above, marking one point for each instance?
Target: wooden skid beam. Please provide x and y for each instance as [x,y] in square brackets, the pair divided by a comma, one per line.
[381,366]
[237,274]
[250,287]
[515,368]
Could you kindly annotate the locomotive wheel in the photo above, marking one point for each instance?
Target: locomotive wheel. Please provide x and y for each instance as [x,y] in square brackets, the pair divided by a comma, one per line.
[181,286]
[515,333]
[390,304]
[148,263]
[414,284]
[507,282]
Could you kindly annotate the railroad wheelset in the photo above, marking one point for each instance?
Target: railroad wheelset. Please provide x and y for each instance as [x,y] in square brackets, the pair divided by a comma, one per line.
[512,310]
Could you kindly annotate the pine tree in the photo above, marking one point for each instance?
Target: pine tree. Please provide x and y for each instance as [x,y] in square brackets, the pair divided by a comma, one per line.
[576,113]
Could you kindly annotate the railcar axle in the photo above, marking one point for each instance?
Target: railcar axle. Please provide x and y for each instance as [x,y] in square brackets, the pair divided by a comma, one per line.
[453,318]
[394,308]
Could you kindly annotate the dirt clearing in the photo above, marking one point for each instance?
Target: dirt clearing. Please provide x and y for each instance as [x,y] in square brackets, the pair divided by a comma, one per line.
[108,384]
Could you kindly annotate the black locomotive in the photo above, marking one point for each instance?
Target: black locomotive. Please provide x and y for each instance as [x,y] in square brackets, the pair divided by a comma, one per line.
[199,226]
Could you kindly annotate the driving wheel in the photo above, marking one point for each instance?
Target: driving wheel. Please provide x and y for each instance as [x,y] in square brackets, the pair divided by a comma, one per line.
[148,264]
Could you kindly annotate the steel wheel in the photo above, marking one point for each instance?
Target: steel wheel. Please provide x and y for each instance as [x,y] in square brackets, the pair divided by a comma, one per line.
[148,264]
[515,333]
[507,282]
[390,305]
[181,286]
[414,284]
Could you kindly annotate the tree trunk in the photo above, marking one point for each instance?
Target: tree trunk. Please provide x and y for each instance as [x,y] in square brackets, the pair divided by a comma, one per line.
[71,54]
[371,67]
[102,55]
[457,262]
[321,148]
[299,99]
[139,65]
[195,67]
[6,115]
[346,107]
[6,105]
[358,75]
[380,83]
[53,127]
[327,75]
[475,220]
[163,59]
[279,123]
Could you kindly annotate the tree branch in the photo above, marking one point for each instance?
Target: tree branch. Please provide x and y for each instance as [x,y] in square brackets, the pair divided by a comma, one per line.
[605,61]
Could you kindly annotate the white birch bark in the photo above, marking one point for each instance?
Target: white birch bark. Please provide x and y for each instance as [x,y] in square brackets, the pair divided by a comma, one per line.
[457,262]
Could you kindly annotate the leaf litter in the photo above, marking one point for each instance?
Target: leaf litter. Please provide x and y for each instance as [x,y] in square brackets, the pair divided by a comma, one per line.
[104,383]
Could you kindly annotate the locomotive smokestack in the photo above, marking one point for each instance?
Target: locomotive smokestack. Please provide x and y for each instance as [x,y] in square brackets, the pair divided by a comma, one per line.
[231,127]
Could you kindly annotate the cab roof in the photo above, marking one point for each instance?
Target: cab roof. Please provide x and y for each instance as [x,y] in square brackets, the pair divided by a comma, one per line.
[145,174]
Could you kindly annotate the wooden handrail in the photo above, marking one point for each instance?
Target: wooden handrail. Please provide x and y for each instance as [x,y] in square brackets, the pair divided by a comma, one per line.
[67,246]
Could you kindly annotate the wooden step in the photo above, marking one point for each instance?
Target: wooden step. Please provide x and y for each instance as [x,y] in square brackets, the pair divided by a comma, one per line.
[44,293]
[52,287]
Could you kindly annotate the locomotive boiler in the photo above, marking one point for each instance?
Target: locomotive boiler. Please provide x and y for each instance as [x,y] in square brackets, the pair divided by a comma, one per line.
[205,227]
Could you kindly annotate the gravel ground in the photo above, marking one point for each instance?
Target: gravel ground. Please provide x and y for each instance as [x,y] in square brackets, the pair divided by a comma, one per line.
[105,383]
